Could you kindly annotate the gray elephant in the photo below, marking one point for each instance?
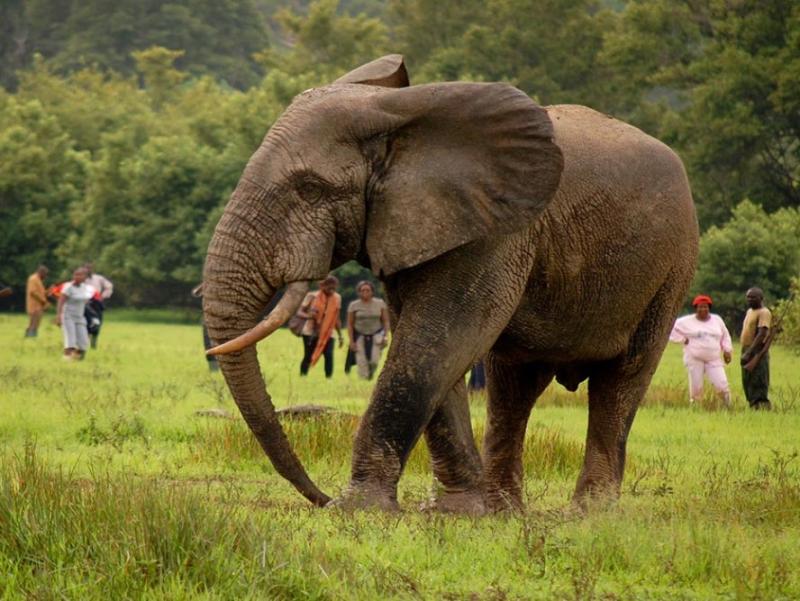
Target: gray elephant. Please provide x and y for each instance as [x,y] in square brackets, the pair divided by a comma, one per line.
[556,241]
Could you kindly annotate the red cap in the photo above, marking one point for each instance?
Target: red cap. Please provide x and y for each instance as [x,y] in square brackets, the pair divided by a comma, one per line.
[700,299]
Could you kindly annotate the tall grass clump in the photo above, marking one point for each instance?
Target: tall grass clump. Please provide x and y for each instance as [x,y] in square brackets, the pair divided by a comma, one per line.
[68,537]
[326,438]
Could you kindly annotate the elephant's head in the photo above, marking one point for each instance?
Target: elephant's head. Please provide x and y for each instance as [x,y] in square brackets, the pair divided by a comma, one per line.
[373,169]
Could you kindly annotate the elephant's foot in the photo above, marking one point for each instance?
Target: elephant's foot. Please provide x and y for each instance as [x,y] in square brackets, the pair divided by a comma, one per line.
[594,495]
[504,501]
[468,502]
[366,497]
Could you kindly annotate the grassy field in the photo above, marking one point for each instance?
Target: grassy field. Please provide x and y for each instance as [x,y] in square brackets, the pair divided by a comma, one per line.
[112,487]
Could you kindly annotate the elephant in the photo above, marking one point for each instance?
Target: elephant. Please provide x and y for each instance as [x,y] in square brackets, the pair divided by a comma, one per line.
[554,241]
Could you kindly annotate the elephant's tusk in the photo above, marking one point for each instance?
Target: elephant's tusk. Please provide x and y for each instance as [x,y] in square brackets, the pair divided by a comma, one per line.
[283,311]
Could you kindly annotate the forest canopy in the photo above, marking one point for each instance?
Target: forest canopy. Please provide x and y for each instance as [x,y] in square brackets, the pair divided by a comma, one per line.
[124,125]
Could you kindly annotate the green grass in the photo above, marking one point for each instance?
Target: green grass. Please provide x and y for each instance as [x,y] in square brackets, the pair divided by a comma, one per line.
[112,487]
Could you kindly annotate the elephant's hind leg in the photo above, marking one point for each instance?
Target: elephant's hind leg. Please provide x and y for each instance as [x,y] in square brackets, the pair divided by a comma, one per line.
[454,456]
[513,390]
[615,390]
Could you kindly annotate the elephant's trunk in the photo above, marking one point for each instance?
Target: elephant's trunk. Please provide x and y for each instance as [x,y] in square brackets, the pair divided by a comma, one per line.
[231,307]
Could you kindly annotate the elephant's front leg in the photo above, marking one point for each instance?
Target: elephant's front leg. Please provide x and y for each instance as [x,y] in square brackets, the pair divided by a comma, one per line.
[454,457]
[453,310]
[403,402]
[418,377]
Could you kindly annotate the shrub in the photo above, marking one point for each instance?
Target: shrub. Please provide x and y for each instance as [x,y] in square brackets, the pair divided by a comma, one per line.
[789,312]
[752,249]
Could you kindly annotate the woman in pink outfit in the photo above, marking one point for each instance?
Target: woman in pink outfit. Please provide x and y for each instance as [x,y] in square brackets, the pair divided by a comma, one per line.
[704,336]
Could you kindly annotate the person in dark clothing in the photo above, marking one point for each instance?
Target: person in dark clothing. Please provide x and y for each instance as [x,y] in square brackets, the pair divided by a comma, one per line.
[104,289]
[477,378]
[94,318]
[321,311]
[213,365]
[350,361]
[757,324]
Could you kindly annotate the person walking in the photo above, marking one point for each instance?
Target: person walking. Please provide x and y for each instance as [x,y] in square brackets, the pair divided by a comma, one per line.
[321,311]
[367,329]
[197,292]
[704,336]
[70,314]
[755,330]
[477,377]
[96,306]
[35,300]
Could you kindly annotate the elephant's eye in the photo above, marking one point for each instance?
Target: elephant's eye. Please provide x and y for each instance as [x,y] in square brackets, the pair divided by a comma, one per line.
[310,190]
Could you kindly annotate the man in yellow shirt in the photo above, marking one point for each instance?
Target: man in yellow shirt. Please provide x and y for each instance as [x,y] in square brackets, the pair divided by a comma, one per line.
[757,323]
[35,300]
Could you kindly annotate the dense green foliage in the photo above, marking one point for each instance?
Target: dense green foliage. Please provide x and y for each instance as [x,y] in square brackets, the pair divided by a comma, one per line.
[788,315]
[218,36]
[112,488]
[125,125]
[752,249]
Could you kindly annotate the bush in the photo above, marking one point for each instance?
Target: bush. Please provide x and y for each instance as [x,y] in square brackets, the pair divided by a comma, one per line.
[789,312]
[753,249]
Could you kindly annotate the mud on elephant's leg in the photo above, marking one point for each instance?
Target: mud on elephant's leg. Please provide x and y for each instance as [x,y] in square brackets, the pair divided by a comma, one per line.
[454,456]
[513,390]
[455,459]
[401,406]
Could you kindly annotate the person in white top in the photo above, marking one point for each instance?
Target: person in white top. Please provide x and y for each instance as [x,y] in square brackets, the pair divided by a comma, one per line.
[704,337]
[70,314]
[99,282]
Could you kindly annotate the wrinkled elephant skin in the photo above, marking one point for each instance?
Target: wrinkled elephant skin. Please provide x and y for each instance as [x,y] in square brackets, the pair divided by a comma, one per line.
[554,242]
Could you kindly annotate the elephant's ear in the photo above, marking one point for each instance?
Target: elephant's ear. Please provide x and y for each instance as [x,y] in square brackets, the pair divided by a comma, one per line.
[388,71]
[463,161]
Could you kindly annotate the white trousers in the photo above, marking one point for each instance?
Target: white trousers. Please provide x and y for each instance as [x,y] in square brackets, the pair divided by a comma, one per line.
[362,361]
[713,370]
[75,333]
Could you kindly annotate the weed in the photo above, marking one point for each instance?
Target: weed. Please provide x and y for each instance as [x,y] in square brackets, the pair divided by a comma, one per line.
[121,430]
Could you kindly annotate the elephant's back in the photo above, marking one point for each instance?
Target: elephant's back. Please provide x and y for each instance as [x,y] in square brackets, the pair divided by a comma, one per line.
[601,151]
[620,225]
[618,179]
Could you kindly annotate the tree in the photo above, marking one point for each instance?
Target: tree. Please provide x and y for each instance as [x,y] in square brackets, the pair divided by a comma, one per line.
[788,312]
[423,27]
[741,132]
[551,54]
[325,43]
[648,39]
[753,249]
[218,37]
[719,82]
[155,65]
[42,176]
[88,103]
[140,219]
